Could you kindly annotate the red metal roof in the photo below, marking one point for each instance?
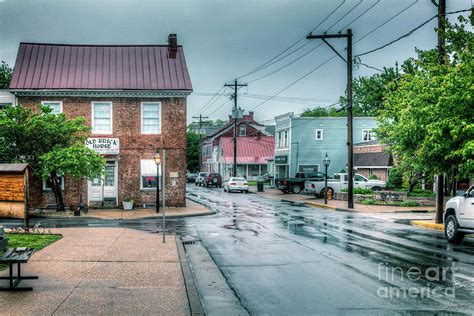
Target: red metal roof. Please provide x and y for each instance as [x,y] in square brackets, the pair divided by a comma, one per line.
[141,67]
[249,149]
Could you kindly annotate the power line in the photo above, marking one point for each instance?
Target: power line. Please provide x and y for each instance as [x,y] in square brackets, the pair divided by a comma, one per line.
[359,16]
[408,33]
[286,65]
[211,101]
[393,17]
[315,48]
[319,66]
[267,63]
[347,13]
[294,82]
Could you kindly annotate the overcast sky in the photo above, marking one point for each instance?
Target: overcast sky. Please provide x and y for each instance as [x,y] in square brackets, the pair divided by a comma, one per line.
[226,39]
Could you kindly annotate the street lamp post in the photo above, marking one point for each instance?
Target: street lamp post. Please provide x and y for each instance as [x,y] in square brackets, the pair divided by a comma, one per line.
[157,159]
[326,163]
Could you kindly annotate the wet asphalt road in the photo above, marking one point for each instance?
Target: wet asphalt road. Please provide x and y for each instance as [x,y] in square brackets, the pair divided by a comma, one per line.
[289,259]
[284,258]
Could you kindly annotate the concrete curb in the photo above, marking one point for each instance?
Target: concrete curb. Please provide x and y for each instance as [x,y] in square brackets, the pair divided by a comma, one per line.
[194,301]
[209,212]
[428,225]
[330,207]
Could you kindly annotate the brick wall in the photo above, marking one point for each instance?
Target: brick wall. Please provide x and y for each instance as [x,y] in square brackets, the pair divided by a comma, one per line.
[133,147]
[368,149]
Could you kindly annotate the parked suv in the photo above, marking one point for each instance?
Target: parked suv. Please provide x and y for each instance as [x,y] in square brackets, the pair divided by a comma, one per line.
[213,179]
[200,178]
[458,216]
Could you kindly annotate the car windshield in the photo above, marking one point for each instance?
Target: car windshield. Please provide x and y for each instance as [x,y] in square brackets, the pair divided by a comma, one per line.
[237,179]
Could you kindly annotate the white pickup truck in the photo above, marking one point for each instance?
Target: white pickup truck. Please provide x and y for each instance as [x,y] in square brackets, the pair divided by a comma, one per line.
[458,216]
[339,182]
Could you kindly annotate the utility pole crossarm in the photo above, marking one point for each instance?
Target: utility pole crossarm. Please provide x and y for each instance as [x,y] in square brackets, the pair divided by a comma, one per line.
[323,36]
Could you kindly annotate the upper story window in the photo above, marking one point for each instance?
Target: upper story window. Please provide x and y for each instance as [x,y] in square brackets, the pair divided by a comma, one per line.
[151,118]
[319,134]
[102,117]
[282,139]
[55,106]
[368,135]
[242,130]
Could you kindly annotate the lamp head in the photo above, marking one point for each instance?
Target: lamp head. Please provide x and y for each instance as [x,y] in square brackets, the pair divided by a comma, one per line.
[157,158]
[326,160]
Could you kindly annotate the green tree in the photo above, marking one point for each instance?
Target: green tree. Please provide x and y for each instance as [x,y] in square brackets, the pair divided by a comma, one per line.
[323,112]
[369,92]
[5,75]
[55,142]
[192,151]
[428,119]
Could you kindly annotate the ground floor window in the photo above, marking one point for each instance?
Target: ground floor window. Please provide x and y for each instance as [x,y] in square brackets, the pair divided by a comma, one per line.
[148,174]
[47,187]
[308,168]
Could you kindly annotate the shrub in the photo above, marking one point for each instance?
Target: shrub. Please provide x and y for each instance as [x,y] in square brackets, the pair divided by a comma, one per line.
[368,202]
[395,178]
[409,204]
[363,191]
[373,177]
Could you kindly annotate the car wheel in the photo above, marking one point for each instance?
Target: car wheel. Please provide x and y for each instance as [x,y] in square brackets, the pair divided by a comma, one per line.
[246,191]
[451,230]
[376,189]
[296,189]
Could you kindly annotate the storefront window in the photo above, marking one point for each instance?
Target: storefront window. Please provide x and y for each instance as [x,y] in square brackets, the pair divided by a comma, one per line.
[148,173]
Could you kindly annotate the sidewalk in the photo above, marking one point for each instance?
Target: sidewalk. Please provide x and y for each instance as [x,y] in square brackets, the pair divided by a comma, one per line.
[337,205]
[191,209]
[104,271]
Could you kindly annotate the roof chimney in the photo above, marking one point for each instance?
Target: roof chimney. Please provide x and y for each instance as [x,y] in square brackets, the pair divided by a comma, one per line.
[172,46]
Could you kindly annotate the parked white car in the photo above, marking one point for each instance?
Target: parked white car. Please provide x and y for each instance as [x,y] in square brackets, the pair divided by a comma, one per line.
[236,184]
[200,178]
[458,216]
[339,182]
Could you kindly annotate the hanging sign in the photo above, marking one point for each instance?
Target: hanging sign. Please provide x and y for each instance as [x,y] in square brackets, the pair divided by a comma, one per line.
[104,145]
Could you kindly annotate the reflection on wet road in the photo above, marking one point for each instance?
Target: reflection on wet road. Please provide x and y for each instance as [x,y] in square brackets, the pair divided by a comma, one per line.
[287,258]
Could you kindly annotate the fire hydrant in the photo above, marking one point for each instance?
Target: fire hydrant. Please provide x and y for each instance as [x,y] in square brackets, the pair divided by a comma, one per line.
[329,194]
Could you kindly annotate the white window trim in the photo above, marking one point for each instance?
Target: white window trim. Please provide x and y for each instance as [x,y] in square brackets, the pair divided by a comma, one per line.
[111,119]
[141,119]
[49,189]
[316,134]
[60,104]
[245,130]
[141,180]
[371,132]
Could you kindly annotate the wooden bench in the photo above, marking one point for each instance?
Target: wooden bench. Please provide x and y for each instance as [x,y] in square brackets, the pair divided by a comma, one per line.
[13,256]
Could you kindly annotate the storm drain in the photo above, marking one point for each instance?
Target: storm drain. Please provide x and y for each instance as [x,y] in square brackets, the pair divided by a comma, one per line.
[216,294]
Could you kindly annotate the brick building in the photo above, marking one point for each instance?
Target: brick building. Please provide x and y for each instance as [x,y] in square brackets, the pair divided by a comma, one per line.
[371,158]
[133,97]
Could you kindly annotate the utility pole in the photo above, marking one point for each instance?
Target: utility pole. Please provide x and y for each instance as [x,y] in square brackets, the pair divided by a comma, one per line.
[350,149]
[236,86]
[441,50]
[200,117]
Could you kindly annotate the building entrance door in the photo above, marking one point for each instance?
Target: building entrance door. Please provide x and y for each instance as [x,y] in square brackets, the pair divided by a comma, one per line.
[104,188]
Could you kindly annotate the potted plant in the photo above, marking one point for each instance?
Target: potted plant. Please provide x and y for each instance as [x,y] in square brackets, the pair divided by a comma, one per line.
[127,203]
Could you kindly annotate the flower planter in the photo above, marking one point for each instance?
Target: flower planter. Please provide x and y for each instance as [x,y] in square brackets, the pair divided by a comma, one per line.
[128,206]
